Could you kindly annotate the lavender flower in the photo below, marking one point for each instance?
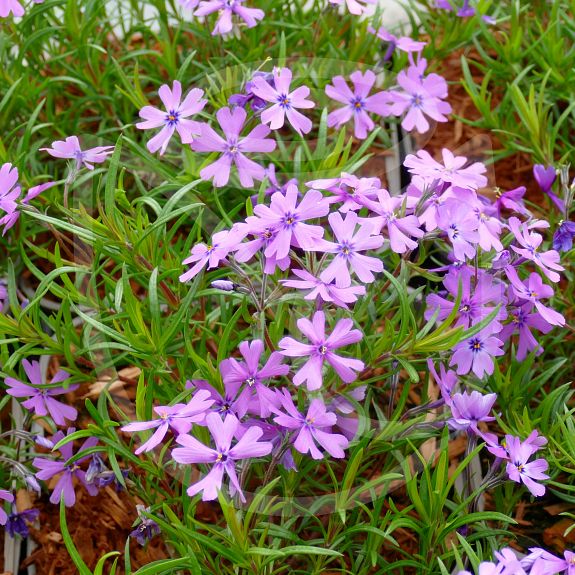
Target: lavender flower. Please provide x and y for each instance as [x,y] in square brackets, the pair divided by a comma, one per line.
[401,230]
[402,43]
[545,177]
[541,562]
[17,523]
[313,428]
[147,529]
[9,192]
[321,350]
[452,171]
[511,200]
[530,242]
[211,255]
[70,149]
[507,564]
[173,118]
[233,148]
[223,457]
[248,372]
[234,400]
[534,290]
[227,9]
[347,250]
[324,291]
[6,496]
[286,217]
[475,298]
[418,97]
[351,191]
[468,409]
[65,485]
[179,418]
[263,237]
[10,6]
[3,297]
[357,103]
[476,354]
[355,7]
[522,321]
[41,401]
[285,103]
[248,97]
[521,470]
[460,224]
[446,380]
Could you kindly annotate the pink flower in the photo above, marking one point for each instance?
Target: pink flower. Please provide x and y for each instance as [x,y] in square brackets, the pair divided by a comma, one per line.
[41,400]
[287,218]
[314,427]
[227,9]
[285,103]
[13,6]
[5,496]
[530,242]
[403,43]
[347,250]
[321,349]
[350,190]
[202,255]
[418,97]
[521,470]
[70,149]
[355,7]
[451,171]
[233,148]
[460,224]
[173,118]
[357,103]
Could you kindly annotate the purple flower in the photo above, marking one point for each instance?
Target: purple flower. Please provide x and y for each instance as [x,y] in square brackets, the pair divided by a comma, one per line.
[476,354]
[327,292]
[233,148]
[475,298]
[321,350]
[65,485]
[312,429]
[223,457]
[173,118]
[9,190]
[521,322]
[419,96]
[3,297]
[351,191]
[248,97]
[179,418]
[511,200]
[70,149]
[401,230]
[489,228]
[6,496]
[7,6]
[41,401]
[534,290]
[17,523]
[521,470]
[347,250]
[468,409]
[227,9]
[248,372]
[507,564]
[563,236]
[446,380]
[530,242]
[286,217]
[451,171]
[357,103]
[234,400]
[262,239]
[285,103]
[147,528]
[211,255]
[355,7]
[541,562]
[460,223]
[403,43]
[545,176]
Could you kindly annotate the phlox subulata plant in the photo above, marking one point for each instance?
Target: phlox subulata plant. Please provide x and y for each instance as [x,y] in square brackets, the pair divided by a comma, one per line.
[214,298]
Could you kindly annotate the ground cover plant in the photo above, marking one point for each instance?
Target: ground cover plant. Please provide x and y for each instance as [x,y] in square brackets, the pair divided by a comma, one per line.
[286,287]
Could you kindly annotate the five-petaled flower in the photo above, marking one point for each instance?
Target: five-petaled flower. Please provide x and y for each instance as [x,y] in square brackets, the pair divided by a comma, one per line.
[70,149]
[173,118]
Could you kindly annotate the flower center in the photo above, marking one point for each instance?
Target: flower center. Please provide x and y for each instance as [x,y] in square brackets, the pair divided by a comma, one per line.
[417,100]
[465,308]
[322,349]
[172,117]
[475,345]
[357,104]
[284,101]
[309,420]
[221,458]
[250,381]
[454,230]
[290,219]
[225,407]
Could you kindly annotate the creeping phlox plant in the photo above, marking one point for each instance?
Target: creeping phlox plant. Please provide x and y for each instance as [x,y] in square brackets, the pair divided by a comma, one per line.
[297,353]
